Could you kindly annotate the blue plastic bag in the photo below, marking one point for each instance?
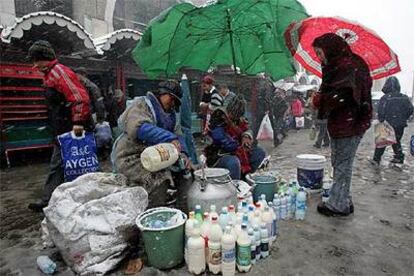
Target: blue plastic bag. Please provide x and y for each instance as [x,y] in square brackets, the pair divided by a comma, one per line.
[78,154]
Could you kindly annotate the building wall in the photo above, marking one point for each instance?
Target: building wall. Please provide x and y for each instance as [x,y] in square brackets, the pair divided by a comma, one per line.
[7,12]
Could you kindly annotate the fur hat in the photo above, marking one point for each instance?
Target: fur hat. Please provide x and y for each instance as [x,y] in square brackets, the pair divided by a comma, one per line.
[41,50]
[171,87]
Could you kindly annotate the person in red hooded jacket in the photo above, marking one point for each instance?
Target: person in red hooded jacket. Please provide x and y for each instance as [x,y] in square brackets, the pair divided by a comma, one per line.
[68,109]
[345,101]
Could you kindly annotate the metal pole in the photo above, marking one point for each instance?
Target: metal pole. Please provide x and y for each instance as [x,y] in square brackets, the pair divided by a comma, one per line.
[233,55]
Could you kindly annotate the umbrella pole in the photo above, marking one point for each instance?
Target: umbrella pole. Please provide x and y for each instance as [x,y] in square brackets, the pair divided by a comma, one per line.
[233,54]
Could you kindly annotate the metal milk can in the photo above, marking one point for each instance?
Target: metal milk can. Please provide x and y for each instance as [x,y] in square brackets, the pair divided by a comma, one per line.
[212,186]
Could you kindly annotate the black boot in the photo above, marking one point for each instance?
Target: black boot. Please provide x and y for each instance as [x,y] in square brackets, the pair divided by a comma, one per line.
[37,207]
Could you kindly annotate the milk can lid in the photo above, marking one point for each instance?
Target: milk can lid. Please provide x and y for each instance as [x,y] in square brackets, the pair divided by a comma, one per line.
[212,173]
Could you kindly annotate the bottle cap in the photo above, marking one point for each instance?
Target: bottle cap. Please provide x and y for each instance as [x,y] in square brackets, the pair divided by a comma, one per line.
[198,207]
[251,208]
[213,207]
[244,226]
[214,218]
[205,215]
[231,207]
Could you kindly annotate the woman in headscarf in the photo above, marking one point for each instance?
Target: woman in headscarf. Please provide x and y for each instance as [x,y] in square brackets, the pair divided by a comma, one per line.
[232,145]
[345,101]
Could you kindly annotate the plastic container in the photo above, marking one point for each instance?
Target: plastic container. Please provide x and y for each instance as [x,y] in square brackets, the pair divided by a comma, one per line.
[164,246]
[46,265]
[310,169]
[159,157]
[256,230]
[228,254]
[243,250]
[189,228]
[264,241]
[196,259]
[250,232]
[214,246]
[300,205]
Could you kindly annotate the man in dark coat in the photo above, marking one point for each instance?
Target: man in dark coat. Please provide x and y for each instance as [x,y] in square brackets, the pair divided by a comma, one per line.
[95,95]
[279,107]
[68,109]
[345,101]
[395,108]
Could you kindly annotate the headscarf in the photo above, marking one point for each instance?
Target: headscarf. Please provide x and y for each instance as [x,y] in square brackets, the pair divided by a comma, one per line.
[236,107]
[343,68]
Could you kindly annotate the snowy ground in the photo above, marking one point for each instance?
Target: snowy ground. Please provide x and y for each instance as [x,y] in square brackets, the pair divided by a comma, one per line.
[377,240]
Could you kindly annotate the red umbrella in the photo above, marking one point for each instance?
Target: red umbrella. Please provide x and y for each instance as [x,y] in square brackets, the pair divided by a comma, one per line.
[382,61]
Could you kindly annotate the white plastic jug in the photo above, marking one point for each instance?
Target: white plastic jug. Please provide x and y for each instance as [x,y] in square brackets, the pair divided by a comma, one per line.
[159,157]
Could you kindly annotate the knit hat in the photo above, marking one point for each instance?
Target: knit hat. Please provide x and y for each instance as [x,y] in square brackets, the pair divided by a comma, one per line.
[171,87]
[41,50]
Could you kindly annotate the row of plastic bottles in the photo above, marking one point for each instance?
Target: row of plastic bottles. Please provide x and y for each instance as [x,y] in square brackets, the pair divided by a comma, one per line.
[230,239]
[290,202]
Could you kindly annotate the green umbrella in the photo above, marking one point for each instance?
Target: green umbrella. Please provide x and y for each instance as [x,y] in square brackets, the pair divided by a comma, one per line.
[247,34]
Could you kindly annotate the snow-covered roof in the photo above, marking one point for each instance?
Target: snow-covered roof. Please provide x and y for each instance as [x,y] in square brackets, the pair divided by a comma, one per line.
[26,22]
[104,43]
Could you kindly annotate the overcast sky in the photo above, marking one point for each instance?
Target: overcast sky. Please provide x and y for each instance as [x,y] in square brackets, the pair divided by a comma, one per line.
[393,20]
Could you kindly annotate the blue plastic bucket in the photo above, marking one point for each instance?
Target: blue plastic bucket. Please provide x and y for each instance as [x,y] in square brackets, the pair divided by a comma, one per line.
[310,170]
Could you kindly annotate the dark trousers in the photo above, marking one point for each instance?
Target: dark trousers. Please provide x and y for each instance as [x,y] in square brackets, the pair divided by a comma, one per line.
[56,175]
[323,135]
[398,152]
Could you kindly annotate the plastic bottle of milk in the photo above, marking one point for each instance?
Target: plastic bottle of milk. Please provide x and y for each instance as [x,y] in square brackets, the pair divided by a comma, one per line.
[293,191]
[224,218]
[243,250]
[196,259]
[232,229]
[257,219]
[267,219]
[256,230]
[228,254]
[326,188]
[158,157]
[251,213]
[276,204]
[245,219]
[289,204]
[250,232]
[232,214]
[214,246]
[213,211]
[264,241]
[301,205]
[284,206]
[198,214]
[274,221]
[189,227]
[263,202]
[237,227]
[205,232]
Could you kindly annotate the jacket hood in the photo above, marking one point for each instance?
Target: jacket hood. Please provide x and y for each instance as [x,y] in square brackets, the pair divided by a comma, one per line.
[333,46]
[392,85]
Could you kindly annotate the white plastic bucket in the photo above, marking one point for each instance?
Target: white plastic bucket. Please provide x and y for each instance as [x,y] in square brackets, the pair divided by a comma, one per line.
[310,170]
